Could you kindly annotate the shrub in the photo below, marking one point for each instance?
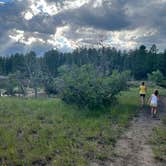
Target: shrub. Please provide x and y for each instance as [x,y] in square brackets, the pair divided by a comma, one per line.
[85,86]
[50,86]
[9,85]
[157,77]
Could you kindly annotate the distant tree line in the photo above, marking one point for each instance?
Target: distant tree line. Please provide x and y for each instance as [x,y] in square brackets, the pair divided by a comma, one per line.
[139,61]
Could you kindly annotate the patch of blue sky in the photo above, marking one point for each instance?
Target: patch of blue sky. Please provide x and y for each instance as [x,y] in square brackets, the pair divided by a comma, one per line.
[5,1]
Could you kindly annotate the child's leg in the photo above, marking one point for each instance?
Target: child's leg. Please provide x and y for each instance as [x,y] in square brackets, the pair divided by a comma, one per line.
[142,100]
[155,110]
[156,113]
[152,111]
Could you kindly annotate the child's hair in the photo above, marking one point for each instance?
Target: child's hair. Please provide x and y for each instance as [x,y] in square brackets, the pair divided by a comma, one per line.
[143,83]
[156,92]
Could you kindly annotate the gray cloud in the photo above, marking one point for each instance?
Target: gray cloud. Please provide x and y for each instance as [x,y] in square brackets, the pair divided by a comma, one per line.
[87,23]
[103,17]
[10,16]
[108,16]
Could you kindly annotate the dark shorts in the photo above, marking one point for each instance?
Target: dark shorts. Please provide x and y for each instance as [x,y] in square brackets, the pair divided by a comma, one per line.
[142,95]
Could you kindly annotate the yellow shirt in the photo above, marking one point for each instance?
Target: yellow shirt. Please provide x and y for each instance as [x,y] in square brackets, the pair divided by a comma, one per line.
[142,89]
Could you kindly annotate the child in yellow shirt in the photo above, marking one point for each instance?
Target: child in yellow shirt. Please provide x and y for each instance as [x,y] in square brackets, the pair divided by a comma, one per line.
[142,93]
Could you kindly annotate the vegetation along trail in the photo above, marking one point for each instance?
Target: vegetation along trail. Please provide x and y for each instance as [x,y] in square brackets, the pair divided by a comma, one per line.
[133,148]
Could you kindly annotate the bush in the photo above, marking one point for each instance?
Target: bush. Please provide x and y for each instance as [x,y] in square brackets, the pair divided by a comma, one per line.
[85,86]
[157,77]
[162,83]
[8,85]
[50,86]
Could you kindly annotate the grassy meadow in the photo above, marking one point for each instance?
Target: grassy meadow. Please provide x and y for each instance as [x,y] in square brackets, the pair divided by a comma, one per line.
[50,132]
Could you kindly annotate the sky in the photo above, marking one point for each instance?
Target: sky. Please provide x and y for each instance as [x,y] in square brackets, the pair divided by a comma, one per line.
[5,0]
[41,25]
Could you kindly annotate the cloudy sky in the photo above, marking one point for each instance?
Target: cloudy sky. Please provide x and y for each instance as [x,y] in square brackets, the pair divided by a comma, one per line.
[41,25]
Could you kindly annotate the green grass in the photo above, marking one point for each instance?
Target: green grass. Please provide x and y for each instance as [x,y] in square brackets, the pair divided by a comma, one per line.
[158,139]
[159,142]
[52,133]
[162,91]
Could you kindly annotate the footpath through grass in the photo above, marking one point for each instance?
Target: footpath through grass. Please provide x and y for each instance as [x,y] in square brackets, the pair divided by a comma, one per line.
[158,140]
[49,132]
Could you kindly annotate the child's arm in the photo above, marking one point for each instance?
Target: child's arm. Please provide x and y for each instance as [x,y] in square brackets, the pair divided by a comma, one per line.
[149,99]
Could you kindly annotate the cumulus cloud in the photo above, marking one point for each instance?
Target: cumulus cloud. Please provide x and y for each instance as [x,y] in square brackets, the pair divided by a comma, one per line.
[66,24]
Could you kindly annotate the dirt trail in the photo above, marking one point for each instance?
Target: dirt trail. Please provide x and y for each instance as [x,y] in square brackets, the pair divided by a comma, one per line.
[133,148]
